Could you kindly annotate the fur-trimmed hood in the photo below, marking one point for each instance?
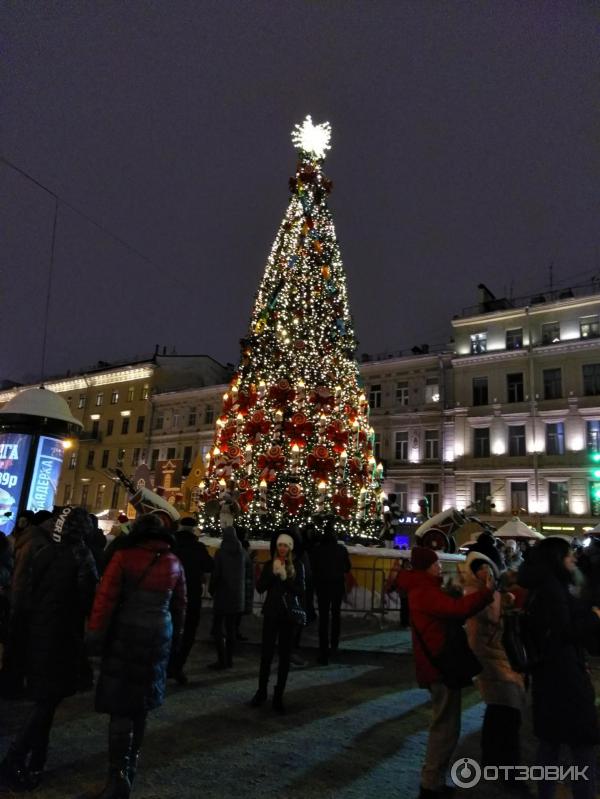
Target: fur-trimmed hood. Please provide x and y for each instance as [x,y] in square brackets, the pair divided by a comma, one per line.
[469,577]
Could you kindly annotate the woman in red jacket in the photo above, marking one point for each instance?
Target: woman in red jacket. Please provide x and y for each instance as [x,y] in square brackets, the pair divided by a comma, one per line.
[432,613]
[138,617]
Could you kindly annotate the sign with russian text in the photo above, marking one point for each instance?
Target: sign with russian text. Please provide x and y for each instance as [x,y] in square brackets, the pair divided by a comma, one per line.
[46,474]
[14,452]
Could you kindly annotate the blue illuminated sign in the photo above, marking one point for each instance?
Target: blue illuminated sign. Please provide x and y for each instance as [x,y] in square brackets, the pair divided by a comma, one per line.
[46,474]
[14,452]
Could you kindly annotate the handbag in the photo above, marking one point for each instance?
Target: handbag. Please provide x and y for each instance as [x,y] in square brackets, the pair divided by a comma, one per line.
[294,612]
[456,661]
[125,596]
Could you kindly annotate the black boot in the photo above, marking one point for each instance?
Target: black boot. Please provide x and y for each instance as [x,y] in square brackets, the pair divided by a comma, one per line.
[119,746]
[228,653]
[220,644]
[259,698]
[278,700]
[13,771]
[139,727]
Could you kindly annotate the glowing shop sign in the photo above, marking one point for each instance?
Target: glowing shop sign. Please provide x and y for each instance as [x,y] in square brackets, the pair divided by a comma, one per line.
[46,474]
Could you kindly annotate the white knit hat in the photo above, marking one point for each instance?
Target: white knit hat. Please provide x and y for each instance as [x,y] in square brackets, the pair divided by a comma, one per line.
[284,538]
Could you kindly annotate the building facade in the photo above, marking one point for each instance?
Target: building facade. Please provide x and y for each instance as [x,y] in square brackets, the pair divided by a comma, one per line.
[526,412]
[115,405]
[506,423]
[408,395]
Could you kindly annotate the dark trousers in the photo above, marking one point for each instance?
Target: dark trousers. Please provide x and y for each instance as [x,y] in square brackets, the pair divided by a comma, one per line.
[549,754]
[12,679]
[275,631]
[224,631]
[404,615]
[188,638]
[500,736]
[35,735]
[329,597]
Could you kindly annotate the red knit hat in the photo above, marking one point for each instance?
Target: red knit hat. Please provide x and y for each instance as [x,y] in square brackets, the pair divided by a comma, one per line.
[422,557]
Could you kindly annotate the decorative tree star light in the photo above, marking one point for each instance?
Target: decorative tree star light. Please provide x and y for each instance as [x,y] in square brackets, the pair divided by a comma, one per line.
[312,139]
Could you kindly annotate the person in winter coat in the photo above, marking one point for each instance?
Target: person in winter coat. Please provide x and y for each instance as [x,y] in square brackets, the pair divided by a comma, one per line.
[432,613]
[97,542]
[331,563]
[283,580]
[563,701]
[6,570]
[62,583]
[248,583]
[28,541]
[196,564]
[501,688]
[137,617]
[228,589]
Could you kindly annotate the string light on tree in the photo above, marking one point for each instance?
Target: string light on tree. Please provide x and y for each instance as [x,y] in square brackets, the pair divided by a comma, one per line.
[293,440]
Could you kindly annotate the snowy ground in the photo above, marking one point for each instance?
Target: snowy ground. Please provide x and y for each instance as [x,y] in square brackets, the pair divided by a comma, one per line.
[354,729]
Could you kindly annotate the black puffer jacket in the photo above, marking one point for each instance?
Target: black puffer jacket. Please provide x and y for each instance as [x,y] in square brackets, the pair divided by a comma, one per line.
[196,563]
[276,588]
[563,695]
[227,582]
[330,562]
[63,581]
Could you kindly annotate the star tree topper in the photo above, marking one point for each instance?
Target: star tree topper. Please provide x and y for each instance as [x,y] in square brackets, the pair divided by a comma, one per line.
[312,139]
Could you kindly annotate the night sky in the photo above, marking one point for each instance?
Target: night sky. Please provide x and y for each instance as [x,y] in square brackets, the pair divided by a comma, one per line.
[464,150]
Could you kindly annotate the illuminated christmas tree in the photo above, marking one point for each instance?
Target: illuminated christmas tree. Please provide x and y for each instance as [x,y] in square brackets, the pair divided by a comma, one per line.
[293,443]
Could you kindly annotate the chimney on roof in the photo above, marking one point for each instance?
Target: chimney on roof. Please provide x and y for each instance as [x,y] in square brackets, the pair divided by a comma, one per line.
[485,295]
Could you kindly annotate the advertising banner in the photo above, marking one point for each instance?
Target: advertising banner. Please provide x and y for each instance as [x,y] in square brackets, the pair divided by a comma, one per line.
[14,452]
[46,474]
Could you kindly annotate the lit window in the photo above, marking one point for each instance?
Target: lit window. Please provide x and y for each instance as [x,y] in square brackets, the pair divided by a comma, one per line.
[514,339]
[555,438]
[550,333]
[432,390]
[589,327]
[478,343]
[593,436]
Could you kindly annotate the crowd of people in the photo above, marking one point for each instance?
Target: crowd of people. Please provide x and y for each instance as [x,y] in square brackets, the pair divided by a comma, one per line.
[459,637]
[135,605]
[67,596]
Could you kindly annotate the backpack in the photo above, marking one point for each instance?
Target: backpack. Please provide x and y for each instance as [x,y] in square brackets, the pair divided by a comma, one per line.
[521,639]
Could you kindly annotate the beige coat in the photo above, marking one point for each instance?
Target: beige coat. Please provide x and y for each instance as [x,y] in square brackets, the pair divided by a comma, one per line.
[498,684]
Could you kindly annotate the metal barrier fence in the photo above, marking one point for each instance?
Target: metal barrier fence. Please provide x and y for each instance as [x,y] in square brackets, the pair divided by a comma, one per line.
[366,593]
